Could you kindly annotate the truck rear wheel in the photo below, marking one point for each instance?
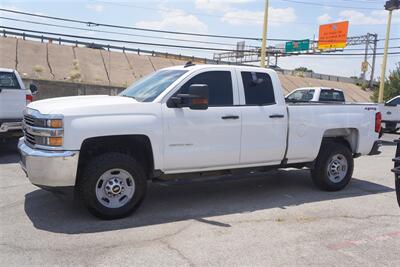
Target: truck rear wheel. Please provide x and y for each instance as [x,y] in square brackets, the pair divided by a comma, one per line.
[333,168]
[113,185]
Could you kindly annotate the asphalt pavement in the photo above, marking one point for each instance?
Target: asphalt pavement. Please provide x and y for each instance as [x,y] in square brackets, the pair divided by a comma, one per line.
[278,218]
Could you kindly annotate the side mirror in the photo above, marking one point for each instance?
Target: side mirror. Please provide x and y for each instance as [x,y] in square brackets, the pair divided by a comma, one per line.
[199,96]
[34,89]
[196,98]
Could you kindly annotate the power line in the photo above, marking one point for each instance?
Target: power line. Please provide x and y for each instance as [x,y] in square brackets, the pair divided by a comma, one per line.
[328,5]
[126,41]
[112,32]
[198,13]
[342,54]
[185,47]
[93,24]
[210,15]
[146,36]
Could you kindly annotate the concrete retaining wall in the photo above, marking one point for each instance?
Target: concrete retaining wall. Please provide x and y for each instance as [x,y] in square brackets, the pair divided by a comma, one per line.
[8,52]
[50,89]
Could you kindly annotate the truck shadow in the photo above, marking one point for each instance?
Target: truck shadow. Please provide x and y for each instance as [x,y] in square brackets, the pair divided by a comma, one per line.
[193,201]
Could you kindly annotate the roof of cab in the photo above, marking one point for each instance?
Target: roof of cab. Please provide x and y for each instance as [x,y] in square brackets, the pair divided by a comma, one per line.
[318,88]
[202,66]
[6,70]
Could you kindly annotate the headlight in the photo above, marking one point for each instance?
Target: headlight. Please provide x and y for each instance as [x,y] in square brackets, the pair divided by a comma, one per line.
[43,131]
[54,123]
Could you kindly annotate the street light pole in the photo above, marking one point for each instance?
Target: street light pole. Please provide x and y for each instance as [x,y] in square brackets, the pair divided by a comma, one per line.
[383,69]
[389,6]
[264,35]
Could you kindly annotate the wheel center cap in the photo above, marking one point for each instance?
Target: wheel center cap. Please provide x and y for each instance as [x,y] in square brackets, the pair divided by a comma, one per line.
[116,189]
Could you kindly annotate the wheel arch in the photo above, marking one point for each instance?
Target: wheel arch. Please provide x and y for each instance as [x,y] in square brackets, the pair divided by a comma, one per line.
[346,136]
[137,146]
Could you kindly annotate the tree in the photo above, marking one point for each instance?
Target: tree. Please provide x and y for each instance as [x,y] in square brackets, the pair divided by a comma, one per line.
[392,85]
[302,69]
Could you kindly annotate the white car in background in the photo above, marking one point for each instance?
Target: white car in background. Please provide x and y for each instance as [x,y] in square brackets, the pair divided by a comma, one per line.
[13,99]
[391,115]
[316,94]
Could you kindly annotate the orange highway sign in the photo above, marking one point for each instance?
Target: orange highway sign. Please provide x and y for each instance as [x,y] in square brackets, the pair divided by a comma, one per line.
[333,35]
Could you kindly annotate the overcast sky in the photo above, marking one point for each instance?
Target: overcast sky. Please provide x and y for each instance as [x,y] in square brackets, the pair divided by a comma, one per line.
[288,19]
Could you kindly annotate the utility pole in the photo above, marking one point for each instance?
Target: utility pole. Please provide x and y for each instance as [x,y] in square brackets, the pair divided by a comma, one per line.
[364,65]
[264,35]
[375,42]
[389,6]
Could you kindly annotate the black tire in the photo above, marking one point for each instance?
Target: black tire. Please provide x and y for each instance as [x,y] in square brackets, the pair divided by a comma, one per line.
[397,184]
[93,171]
[319,173]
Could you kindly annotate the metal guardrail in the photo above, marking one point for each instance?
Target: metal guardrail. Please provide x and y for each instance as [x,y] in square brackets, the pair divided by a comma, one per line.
[109,47]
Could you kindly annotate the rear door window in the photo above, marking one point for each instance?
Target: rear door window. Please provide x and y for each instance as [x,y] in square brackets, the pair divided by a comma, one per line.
[8,81]
[395,101]
[258,88]
[301,96]
[331,95]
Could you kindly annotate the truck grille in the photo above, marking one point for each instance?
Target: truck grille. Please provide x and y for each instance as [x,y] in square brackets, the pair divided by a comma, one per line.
[29,121]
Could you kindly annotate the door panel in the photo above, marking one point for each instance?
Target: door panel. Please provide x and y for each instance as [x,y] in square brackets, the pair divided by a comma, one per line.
[199,139]
[196,139]
[263,137]
[264,122]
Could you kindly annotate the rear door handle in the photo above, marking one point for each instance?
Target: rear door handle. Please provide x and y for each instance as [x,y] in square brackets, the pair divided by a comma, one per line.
[276,116]
[230,117]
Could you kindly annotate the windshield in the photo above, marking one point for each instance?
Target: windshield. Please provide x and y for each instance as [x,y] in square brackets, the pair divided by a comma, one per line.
[301,96]
[148,88]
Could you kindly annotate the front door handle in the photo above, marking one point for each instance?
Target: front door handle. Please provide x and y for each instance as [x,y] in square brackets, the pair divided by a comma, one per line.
[230,117]
[276,116]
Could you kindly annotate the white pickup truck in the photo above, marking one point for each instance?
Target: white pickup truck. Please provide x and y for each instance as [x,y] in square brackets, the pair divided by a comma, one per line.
[391,115]
[316,94]
[13,99]
[189,121]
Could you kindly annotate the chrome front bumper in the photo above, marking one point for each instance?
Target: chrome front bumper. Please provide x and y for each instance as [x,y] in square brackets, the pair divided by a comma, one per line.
[48,168]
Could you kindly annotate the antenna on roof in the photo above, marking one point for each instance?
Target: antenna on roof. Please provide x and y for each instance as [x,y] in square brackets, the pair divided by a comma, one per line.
[189,64]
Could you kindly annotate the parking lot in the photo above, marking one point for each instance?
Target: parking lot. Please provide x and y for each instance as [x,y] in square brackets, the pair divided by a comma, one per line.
[278,218]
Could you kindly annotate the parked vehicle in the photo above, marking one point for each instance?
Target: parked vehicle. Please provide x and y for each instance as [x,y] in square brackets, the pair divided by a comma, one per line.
[396,170]
[391,115]
[189,121]
[13,99]
[316,94]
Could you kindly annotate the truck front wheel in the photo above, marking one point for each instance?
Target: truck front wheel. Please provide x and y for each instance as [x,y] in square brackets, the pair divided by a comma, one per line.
[333,168]
[113,185]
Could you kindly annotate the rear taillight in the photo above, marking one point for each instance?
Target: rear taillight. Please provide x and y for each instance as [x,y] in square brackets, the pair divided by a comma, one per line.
[29,99]
[378,122]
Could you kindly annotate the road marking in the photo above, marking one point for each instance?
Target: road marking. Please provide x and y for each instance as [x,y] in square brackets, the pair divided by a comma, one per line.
[352,243]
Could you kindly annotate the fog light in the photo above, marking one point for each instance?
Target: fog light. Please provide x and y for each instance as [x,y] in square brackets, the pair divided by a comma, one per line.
[55,141]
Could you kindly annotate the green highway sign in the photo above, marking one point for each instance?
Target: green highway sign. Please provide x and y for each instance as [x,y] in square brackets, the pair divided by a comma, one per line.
[297,46]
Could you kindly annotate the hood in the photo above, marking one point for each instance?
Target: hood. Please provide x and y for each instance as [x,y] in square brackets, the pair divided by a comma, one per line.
[83,104]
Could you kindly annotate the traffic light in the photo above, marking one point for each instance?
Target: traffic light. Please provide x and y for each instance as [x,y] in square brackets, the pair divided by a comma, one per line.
[392,5]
